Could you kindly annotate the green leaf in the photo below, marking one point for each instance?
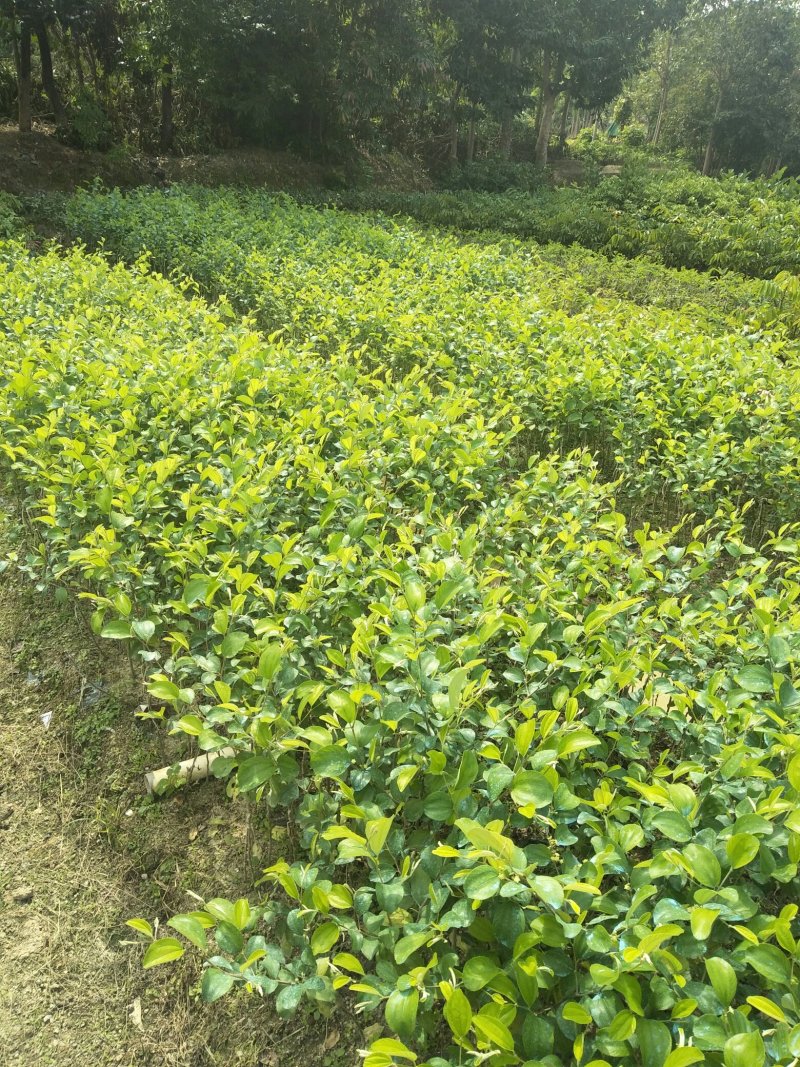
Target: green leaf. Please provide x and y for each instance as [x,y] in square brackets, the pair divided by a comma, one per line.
[455,688]
[143,629]
[347,962]
[190,928]
[164,950]
[343,704]
[497,778]
[673,825]
[684,1057]
[117,630]
[409,944]
[229,937]
[622,1026]
[682,1009]
[575,1013]
[493,1031]
[744,1050]
[530,787]
[192,725]
[241,913]
[414,592]
[598,619]
[220,908]
[330,761]
[196,589]
[164,690]
[324,938]
[253,772]
[770,962]
[215,984]
[376,832]
[140,925]
[405,777]
[458,1013]
[438,806]
[741,849]
[723,979]
[288,1000]
[701,920]
[703,864]
[401,1012]
[768,1007]
[269,661]
[755,679]
[655,1042]
[388,1046]
[788,695]
[548,890]
[233,643]
[478,972]
[793,772]
[482,883]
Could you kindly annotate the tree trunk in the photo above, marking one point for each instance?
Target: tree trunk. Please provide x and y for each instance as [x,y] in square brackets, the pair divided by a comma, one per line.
[24,79]
[549,90]
[562,133]
[76,54]
[509,113]
[471,138]
[453,155]
[545,127]
[709,156]
[96,80]
[167,133]
[506,134]
[662,101]
[537,118]
[48,78]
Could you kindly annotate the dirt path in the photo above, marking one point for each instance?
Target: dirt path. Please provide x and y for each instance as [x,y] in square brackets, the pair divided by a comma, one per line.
[82,849]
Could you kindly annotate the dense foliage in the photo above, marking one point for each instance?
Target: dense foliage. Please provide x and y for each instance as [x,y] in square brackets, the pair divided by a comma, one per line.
[541,767]
[721,88]
[689,407]
[679,219]
[445,80]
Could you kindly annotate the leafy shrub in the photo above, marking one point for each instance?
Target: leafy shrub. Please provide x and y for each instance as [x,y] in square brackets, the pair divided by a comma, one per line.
[10,221]
[495,176]
[679,219]
[689,409]
[544,769]
[634,135]
[89,126]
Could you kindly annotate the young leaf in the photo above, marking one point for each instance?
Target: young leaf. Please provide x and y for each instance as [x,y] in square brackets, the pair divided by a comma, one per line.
[458,1013]
[401,1012]
[723,979]
[164,950]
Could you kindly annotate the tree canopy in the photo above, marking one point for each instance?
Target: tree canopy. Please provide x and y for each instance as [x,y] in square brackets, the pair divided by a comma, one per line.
[448,79]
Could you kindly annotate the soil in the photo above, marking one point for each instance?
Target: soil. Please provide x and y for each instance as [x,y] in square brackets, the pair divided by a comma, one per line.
[38,162]
[82,849]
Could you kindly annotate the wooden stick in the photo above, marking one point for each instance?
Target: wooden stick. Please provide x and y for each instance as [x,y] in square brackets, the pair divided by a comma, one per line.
[188,770]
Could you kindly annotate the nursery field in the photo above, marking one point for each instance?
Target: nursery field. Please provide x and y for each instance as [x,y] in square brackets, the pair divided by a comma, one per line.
[678,218]
[482,557]
[691,406]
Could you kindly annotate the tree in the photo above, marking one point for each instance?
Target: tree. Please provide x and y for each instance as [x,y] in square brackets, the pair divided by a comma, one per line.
[482,59]
[730,97]
[588,49]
